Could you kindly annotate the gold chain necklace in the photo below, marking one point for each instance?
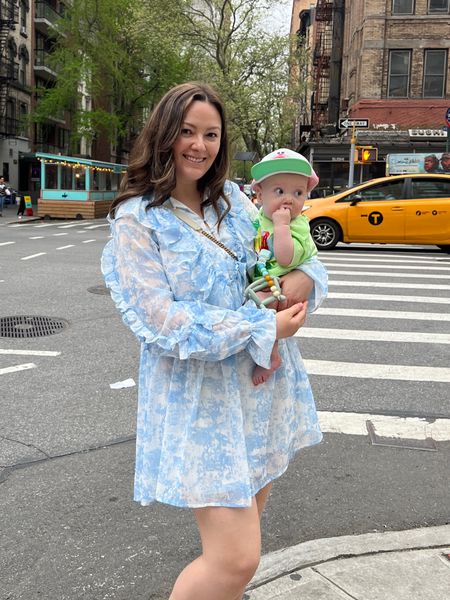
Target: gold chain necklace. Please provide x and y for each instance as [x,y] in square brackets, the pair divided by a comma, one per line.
[184,217]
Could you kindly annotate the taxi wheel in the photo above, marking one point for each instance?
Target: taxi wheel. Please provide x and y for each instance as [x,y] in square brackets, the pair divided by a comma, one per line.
[325,233]
[445,248]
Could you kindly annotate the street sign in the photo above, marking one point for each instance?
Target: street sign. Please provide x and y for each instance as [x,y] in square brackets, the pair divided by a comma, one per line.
[447,117]
[347,123]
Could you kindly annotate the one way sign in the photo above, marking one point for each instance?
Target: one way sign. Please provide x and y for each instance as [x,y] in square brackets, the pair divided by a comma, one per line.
[346,123]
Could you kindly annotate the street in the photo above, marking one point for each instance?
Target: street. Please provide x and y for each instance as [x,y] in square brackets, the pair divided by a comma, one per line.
[378,355]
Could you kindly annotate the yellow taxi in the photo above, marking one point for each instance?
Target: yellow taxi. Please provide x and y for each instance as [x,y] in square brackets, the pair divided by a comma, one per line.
[400,209]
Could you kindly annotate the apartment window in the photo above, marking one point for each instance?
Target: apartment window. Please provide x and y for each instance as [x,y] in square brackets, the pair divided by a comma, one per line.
[403,7]
[23,113]
[438,6]
[434,69]
[24,8]
[399,69]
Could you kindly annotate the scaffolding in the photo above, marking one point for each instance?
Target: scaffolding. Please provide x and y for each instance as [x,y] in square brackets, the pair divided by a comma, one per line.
[323,42]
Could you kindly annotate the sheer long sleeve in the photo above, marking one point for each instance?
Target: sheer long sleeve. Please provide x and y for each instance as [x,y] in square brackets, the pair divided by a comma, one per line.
[138,278]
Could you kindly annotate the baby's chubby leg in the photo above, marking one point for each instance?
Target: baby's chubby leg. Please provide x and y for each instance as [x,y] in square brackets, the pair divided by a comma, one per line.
[261,375]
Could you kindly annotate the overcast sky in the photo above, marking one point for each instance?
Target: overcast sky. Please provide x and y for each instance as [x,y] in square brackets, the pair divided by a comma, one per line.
[280,17]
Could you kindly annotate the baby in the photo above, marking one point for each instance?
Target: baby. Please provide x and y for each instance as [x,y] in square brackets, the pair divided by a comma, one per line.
[282,181]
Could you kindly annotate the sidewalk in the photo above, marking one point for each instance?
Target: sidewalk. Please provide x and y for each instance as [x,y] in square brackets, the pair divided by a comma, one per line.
[9,215]
[403,565]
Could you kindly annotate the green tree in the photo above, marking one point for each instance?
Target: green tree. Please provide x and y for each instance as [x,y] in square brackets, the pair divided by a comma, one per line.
[123,55]
[250,66]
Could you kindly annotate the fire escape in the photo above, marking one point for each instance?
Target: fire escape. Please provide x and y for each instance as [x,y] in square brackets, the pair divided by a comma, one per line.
[9,16]
[321,62]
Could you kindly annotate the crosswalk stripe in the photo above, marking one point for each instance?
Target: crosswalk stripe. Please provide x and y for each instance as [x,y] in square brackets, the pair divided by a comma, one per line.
[6,243]
[16,368]
[389,285]
[97,226]
[29,352]
[77,223]
[379,259]
[389,298]
[64,247]
[382,314]
[412,428]
[384,274]
[377,371]
[372,265]
[382,256]
[373,336]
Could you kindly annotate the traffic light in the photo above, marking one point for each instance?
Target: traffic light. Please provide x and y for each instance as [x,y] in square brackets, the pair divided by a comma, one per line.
[365,154]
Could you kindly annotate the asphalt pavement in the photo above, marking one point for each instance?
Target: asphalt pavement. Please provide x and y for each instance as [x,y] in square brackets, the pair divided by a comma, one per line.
[69,527]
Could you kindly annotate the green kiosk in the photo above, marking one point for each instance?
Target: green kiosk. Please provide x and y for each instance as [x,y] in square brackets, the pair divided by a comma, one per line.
[77,188]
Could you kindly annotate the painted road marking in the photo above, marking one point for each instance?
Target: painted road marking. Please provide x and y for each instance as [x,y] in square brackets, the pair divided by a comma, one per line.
[16,368]
[372,274]
[33,256]
[62,233]
[64,247]
[377,371]
[96,226]
[374,336]
[379,284]
[76,224]
[29,352]
[389,298]
[44,225]
[369,261]
[381,256]
[6,243]
[372,265]
[88,241]
[413,428]
[382,314]
[37,237]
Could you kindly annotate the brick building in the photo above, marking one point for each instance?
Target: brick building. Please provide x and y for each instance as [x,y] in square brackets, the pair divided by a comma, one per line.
[390,58]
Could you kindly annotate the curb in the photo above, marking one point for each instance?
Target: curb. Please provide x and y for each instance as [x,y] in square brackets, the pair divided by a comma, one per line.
[307,554]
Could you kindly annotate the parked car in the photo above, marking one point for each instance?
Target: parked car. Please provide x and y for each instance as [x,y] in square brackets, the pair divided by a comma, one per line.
[401,209]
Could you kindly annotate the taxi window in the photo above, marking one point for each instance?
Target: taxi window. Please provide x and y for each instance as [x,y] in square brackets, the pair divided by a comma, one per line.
[388,190]
[430,188]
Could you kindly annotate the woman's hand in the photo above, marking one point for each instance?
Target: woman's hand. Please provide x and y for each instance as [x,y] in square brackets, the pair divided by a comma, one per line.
[296,286]
[290,320]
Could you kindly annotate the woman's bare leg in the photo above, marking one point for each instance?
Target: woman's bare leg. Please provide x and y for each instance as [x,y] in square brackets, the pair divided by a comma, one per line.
[231,543]
[261,500]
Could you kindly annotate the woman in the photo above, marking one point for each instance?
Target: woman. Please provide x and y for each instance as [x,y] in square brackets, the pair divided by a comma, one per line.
[181,244]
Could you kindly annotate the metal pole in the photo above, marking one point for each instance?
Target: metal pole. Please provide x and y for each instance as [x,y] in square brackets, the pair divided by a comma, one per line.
[351,171]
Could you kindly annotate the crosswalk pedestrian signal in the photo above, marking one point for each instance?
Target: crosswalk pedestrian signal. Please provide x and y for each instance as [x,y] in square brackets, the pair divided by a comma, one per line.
[365,154]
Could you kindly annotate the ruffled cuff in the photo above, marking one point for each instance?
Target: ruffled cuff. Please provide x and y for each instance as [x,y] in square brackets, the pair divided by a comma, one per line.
[263,334]
[315,269]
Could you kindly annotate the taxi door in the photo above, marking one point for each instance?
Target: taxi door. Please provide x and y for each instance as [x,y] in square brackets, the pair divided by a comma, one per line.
[379,213]
[428,211]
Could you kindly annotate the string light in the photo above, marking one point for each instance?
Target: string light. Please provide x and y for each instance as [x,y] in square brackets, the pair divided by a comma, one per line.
[77,165]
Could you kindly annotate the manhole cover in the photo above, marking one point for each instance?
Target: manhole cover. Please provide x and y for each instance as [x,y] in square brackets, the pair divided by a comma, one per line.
[27,327]
[99,289]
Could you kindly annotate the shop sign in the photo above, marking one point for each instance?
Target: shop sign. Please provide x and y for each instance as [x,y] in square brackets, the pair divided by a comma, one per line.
[427,133]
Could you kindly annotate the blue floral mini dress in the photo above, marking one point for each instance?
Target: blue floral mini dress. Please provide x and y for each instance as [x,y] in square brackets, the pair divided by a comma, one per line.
[206,436]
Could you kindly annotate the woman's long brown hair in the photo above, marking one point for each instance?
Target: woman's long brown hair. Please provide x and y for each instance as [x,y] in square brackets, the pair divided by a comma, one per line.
[152,168]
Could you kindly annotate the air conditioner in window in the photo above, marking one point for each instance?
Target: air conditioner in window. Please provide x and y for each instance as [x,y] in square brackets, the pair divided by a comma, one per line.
[23,29]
